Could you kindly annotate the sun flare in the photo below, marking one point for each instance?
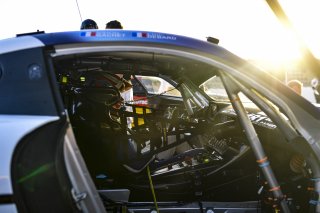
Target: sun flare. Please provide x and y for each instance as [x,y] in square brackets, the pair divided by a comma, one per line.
[304,17]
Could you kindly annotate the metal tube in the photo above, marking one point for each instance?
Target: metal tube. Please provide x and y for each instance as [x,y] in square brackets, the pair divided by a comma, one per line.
[254,141]
[316,179]
[275,115]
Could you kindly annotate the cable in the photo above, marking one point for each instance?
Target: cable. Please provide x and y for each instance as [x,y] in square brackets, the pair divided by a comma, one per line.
[79,10]
[152,190]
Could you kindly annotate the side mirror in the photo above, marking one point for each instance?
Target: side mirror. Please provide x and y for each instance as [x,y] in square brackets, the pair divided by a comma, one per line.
[314,83]
[316,89]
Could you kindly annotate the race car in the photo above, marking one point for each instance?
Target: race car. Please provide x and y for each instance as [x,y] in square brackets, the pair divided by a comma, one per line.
[203,130]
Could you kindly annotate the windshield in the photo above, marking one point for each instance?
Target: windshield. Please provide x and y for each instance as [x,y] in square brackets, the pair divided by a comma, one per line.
[156,85]
[214,88]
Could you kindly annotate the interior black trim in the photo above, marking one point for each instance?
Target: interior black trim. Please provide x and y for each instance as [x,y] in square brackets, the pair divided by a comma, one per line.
[6,199]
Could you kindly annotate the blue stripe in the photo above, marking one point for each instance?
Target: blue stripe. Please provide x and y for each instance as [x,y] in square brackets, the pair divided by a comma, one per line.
[314,202]
[264,164]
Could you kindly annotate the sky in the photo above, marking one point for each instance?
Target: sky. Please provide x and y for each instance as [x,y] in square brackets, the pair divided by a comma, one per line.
[247,28]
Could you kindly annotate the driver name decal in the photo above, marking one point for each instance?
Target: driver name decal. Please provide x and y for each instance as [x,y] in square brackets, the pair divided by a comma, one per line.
[103,34]
[153,36]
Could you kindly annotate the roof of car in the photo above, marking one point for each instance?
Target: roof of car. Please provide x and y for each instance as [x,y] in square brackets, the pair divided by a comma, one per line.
[119,35]
[27,40]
